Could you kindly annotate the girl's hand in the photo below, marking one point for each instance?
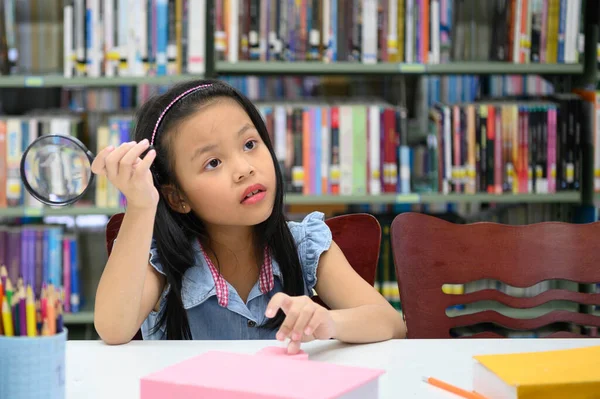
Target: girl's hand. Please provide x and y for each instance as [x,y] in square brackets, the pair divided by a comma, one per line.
[129,173]
[305,320]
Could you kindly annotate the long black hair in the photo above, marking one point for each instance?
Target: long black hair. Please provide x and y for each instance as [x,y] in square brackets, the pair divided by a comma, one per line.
[175,232]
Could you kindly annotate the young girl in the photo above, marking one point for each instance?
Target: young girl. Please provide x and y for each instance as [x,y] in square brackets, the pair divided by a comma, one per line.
[204,250]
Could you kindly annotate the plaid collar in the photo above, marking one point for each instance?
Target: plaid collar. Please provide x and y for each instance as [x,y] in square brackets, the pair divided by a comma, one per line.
[266,280]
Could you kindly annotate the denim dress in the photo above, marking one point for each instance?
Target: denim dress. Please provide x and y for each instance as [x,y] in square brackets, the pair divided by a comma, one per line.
[214,319]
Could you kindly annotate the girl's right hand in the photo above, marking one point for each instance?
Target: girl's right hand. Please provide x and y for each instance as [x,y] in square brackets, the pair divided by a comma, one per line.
[129,173]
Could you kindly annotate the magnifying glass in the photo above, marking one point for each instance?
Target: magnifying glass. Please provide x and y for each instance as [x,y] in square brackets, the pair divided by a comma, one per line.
[57,170]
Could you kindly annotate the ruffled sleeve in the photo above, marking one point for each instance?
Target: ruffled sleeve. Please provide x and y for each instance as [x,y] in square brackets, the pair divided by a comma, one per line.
[148,325]
[312,237]
[157,265]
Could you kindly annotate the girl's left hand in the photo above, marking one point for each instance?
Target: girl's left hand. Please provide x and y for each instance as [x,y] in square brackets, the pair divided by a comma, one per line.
[305,320]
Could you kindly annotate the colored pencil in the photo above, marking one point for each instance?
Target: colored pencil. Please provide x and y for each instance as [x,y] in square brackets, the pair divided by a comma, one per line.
[8,291]
[7,318]
[453,389]
[51,310]
[59,317]
[22,314]
[15,313]
[30,305]
[3,275]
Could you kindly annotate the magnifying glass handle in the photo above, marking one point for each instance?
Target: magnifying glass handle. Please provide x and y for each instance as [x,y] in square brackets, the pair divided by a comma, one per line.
[143,154]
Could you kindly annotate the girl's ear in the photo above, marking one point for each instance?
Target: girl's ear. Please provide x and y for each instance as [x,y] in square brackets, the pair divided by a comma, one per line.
[175,199]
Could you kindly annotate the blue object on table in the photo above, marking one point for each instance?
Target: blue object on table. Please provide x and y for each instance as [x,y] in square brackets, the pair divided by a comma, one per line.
[33,367]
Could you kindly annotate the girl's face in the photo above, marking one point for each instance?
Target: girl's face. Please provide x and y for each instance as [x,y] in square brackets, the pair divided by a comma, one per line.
[223,166]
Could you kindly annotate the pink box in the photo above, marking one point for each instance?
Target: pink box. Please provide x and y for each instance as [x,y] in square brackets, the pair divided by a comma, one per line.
[225,375]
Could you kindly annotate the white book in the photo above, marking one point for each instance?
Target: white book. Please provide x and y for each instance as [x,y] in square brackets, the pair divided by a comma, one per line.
[79,37]
[346,149]
[111,55]
[392,33]
[93,38]
[68,41]
[234,29]
[123,36]
[369,32]
[196,34]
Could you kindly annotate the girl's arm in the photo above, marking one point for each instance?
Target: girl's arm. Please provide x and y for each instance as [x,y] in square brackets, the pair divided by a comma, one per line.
[359,313]
[129,287]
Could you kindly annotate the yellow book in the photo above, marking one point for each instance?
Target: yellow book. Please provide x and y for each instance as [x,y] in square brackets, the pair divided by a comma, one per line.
[566,373]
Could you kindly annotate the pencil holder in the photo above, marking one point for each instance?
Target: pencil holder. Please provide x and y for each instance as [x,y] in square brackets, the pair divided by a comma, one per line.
[33,367]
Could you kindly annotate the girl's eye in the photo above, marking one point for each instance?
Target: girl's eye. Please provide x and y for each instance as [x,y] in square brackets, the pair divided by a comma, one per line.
[213,163]
[250,145]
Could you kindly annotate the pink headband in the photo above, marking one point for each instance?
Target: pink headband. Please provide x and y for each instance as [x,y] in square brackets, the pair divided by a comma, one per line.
[179,97]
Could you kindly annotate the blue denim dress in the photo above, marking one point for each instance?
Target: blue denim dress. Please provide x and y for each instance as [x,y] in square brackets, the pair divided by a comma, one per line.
[238,320]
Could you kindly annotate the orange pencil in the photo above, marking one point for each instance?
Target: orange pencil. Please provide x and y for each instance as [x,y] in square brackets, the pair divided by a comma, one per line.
[451,388]
[51,311]
[45,330]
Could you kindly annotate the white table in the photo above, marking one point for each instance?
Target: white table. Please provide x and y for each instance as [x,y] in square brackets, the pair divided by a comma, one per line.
[95,370]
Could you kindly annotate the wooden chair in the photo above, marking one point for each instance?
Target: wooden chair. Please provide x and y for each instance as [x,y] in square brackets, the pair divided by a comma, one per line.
[430,252]
[358,235]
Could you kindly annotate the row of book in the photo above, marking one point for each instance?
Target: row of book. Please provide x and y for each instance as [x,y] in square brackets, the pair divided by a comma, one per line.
[453,89]
[504,147]
[92,37]
[41,255]
[410,31]
[362,148]
[448,89]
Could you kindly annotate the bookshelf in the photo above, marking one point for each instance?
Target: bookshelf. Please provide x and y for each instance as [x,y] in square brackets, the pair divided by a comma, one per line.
[572,197]
[583,72]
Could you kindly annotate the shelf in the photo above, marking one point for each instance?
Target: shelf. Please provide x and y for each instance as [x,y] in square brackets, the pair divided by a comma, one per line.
[61,81]
[432,198]
[299,199]
[83,317]
[63,211]
[356,68]
[560,197]
[298,68]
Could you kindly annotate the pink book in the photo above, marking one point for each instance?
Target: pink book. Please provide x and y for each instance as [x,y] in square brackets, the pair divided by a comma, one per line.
[225,375]
[551,157]
[67,273]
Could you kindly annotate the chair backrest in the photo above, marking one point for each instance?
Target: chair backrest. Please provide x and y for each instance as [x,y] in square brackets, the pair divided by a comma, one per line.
[358,235]
[430,252]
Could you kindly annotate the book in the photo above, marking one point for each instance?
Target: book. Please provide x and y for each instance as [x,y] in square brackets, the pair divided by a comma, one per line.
[217,374]
[566,373]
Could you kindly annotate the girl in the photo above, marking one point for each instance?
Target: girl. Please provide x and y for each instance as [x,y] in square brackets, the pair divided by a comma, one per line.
[204,250]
